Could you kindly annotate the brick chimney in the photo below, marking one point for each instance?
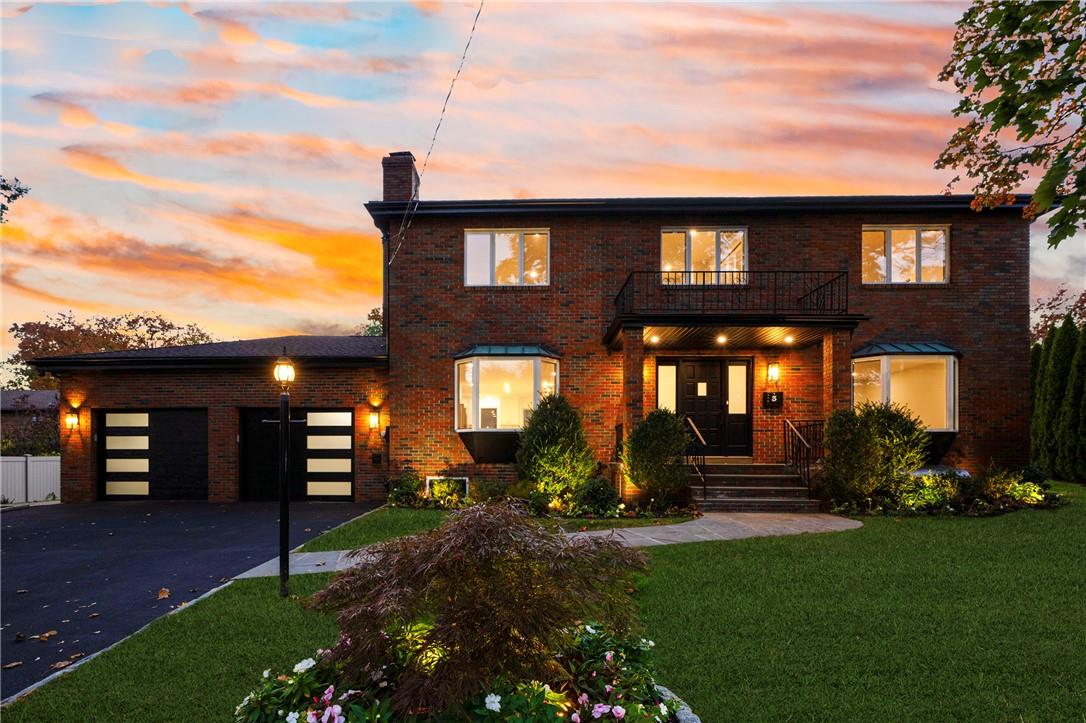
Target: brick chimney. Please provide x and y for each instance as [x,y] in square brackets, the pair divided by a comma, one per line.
[401,178]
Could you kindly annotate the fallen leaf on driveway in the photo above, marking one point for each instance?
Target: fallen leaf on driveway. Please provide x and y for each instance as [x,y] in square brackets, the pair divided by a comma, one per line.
[9,666]
[19,637]
[46,635]
[163,593]
[76,656]
[94,615]
[21,591]
[60,664]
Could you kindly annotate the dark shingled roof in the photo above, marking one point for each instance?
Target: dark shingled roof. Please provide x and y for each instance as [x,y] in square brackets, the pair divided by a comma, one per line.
[329,350]
[15,399]
[905,347]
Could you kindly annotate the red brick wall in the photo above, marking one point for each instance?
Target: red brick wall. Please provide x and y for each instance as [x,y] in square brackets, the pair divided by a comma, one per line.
[222,392]
[983,311]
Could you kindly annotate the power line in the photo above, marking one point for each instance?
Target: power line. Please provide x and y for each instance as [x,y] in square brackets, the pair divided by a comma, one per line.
[409,209]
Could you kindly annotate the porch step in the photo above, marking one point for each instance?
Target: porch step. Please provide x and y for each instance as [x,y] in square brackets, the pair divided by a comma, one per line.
[720,492]
[754,504]
[744,469]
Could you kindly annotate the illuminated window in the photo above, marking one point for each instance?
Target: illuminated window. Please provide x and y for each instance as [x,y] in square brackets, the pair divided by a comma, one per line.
[904,254]
[925,383]
[507,258]
[497,393]
[703,256]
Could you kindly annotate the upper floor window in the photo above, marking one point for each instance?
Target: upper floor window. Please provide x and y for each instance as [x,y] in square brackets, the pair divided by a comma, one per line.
[703,256]
[507,258]
[904,254]
[497,393]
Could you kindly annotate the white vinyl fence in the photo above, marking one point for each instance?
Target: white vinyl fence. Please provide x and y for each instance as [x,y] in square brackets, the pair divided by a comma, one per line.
[29,479]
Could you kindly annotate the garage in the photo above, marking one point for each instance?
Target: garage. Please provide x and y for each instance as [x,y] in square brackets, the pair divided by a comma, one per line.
[321,454]
[152,454]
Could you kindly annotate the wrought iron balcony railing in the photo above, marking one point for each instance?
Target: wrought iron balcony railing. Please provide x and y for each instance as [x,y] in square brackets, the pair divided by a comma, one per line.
[678,293]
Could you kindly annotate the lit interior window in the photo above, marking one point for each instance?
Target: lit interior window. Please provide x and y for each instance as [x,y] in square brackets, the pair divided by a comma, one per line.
[925,384]
[497,393]
[703,256]
[904,255]
[506,258]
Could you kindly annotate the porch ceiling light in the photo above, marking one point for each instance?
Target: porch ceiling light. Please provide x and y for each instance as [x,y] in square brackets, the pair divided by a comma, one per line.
[71,420]
[654,339]
[773,372]
[284,372]
[721,339]
[789,339]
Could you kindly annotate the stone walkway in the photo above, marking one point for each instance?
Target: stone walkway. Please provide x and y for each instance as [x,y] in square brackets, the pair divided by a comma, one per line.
[713,526]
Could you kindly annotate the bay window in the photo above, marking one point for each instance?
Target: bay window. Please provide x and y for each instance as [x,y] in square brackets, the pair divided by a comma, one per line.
[498,392]
[904,254]
[703,256]
[507,258]
[924,383]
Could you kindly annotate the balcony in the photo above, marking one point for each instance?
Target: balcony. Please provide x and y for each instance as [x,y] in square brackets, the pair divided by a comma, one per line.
[736,298]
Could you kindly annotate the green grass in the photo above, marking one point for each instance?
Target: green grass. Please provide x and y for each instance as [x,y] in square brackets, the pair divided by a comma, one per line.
[377,526]
[195,665]
[905,619]
[389,522]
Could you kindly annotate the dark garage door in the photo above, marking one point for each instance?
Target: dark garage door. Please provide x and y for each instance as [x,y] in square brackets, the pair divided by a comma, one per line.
[158,454]
[321,454]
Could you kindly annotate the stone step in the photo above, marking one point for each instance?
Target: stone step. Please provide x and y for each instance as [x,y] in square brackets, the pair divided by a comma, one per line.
[746,480]
[717,493]
[748,469]
[754,504]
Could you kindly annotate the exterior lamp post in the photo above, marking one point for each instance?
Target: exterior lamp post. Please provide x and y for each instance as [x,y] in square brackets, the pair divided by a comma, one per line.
[284,374]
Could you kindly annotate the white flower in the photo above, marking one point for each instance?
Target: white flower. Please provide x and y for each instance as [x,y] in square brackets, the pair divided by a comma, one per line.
[304,665]
[494,702]
[589,629]
[267,672]
[292,718]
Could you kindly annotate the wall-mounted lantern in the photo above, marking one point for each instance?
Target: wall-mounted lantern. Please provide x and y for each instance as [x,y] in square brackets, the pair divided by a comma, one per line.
[375,420]
[773,372]
[71,420]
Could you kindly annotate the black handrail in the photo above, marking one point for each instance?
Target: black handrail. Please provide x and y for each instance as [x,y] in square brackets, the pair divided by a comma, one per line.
[811,293]
[803,445]
[698,458]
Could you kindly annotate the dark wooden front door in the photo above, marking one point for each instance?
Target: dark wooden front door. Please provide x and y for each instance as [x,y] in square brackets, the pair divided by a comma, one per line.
[715,394]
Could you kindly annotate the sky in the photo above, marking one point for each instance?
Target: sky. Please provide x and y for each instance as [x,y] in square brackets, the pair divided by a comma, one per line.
[210,161]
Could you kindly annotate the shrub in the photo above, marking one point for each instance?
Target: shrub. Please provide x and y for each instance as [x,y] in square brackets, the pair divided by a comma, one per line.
[484,490]
[598,497]
[446,492]
[654,457]
[554,454]
[539,502]
[499,595]
[871,451]
[1001,486]
[933,491]
[405,490]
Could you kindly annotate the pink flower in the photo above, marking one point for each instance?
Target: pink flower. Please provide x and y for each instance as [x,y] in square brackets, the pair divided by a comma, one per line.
[327,697]
[311,717]
[619,711]
[583,699]
[576,717]
[332,715]
[609,656]
[599,709]
[608,688]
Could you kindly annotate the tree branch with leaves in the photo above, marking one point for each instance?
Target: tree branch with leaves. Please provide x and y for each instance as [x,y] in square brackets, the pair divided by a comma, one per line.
[1021,71]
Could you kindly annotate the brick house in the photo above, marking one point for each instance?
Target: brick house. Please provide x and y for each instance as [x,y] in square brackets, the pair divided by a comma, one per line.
[752,317]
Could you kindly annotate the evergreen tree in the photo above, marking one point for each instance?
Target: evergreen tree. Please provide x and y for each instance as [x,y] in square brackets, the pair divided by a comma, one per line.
[1055,387]
[1071,451]
[1034,366]
[1036,421]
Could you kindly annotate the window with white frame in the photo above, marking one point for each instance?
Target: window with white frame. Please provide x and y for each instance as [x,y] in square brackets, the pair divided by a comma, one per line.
[904,254]
[518,257]
[497,393]
[703,255]
[925,383]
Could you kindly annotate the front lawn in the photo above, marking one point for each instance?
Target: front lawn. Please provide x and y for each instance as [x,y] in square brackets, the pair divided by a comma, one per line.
[389,522]
[923,618]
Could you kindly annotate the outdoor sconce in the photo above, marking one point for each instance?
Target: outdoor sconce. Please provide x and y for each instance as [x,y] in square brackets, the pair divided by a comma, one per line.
[71,420]
[375,420]
[284,372]
[773,372]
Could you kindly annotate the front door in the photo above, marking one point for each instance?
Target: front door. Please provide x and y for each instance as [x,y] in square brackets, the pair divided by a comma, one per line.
[715,394]
[702,399]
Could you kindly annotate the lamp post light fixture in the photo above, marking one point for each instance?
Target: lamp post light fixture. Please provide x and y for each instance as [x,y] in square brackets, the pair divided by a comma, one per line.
[71,420]
[284,374]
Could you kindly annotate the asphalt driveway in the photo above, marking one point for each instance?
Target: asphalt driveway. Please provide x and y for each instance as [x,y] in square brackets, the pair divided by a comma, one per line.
[93,573]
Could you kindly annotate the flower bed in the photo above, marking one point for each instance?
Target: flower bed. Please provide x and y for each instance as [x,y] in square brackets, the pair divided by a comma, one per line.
[609,678]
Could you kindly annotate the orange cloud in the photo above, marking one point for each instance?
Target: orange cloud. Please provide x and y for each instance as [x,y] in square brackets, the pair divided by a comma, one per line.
[100,166]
